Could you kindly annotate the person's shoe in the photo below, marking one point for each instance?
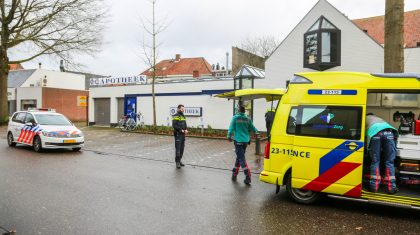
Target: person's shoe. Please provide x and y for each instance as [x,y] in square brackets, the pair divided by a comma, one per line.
[181,164]
[247,181]
[233,177]
[178,165]
[393,191]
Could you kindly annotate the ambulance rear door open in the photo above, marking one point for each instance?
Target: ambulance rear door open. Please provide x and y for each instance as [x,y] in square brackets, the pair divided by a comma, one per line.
[270,95]
[252,94]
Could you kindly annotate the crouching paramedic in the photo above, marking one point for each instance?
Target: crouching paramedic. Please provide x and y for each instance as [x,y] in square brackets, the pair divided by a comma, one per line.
[381,137]
[179,123]
[241,126]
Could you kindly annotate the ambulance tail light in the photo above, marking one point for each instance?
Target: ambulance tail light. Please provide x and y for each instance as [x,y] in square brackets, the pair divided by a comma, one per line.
[267,150]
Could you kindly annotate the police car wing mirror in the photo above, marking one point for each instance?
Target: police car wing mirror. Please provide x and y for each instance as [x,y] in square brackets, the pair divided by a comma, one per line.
[29,124]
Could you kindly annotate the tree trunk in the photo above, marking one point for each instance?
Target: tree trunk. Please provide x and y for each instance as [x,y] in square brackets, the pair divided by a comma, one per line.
[4,72]
[394,36]
[154,102]
[154,68]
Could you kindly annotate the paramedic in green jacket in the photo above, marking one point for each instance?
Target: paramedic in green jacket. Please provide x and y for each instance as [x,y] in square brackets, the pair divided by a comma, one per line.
[240,126]
[381,138]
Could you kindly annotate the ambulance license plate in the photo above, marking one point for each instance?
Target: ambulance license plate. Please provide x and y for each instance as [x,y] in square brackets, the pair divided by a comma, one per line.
[69,141]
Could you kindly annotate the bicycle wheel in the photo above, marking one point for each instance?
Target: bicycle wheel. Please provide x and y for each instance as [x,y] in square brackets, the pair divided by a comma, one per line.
[121,124]
[131,124]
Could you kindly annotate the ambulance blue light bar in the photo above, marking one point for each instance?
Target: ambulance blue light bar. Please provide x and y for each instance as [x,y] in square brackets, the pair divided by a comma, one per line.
[331,92]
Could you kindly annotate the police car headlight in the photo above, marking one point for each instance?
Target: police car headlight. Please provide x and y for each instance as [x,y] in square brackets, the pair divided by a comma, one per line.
[80,134]
[49,134]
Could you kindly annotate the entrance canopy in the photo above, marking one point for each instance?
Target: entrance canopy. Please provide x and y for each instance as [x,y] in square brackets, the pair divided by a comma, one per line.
[252,94]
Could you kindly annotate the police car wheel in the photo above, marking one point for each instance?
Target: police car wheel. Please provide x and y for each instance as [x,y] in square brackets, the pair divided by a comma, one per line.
[300,195]
[37,144]
[10,140]
[76,149]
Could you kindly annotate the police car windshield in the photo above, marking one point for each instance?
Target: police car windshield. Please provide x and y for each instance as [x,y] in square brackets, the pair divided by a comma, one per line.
[52,119]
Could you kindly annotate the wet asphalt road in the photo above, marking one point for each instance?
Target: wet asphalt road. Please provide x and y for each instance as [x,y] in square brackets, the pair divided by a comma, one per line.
[61,192]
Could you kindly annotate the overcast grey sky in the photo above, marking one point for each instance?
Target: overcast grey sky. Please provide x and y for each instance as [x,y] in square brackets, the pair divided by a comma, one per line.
[202,28]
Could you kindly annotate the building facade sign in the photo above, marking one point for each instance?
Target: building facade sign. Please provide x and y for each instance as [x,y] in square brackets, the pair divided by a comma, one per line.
[118,81]
[189,111]
[82,101]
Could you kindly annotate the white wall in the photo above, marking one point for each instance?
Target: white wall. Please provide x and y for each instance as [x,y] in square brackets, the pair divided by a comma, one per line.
[217,112]
[56,79]
[412,60]
[358,51]
[28,93]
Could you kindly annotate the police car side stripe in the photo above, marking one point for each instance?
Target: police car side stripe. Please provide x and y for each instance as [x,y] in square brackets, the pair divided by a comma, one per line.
[31,137]
[28,135]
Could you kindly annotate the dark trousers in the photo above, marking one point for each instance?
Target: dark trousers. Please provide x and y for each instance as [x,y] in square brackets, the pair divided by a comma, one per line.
[179,146]
[240,149]
[383,142]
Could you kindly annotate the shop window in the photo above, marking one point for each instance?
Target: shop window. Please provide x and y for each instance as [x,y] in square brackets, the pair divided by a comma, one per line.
[27,104]
[322,46]
[337,122]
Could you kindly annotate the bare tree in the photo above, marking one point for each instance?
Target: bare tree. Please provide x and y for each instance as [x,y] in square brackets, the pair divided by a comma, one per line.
[253,51]
[150,50]
[262,46]
[33,28]
[394,36]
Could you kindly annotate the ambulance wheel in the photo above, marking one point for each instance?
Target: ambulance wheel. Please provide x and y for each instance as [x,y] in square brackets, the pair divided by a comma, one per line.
[37,144]
[300,195]
[10,140]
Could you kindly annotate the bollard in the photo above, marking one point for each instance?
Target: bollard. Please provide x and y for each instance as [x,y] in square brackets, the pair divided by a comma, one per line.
[257,145]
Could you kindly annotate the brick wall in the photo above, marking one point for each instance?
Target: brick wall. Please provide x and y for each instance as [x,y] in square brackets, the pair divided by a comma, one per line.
[65,101]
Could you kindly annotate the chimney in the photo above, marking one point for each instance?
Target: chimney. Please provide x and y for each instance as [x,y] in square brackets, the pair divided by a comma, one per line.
[217,66]
[62,66]
[39,65]
[177,57]
[196,74]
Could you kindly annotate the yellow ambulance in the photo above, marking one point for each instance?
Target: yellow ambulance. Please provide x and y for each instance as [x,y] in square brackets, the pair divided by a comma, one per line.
[317,144]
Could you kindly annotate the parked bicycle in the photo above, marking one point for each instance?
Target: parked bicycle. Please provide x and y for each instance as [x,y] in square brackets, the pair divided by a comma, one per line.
[130,121]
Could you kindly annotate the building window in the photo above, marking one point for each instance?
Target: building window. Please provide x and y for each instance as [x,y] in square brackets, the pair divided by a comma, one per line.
[27,104]
[322,46]
[418,44]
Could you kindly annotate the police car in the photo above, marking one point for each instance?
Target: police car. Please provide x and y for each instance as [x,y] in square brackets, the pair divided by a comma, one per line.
[43,129]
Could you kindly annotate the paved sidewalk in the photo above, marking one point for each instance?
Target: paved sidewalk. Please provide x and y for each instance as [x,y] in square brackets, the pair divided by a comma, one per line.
[198,151]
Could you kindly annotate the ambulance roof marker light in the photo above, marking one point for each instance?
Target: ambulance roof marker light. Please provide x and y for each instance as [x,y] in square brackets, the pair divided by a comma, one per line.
[297,79]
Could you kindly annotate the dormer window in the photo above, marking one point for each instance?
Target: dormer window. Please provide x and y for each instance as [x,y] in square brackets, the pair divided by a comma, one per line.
[322,46]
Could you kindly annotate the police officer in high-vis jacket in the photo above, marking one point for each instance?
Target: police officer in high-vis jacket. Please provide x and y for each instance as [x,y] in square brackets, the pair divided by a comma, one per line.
[381,140]
[240,127]
[179,123]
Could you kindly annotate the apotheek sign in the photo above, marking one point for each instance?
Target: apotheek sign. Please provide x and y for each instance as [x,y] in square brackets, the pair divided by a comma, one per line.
[189,111]
[118,81]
